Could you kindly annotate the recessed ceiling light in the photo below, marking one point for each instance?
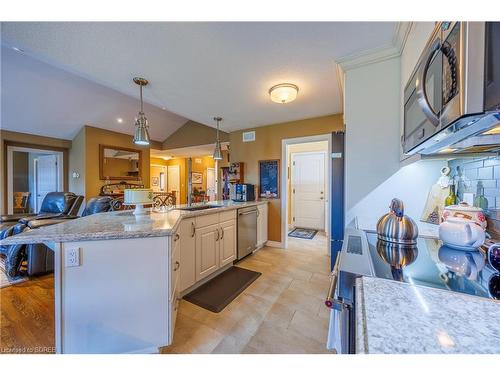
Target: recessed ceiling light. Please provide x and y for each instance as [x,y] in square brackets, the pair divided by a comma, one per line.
[163,108]
[283,93]
[18,49]
[119,120]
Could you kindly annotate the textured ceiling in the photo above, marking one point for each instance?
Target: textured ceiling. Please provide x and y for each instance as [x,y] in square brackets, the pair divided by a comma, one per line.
[38,98]
[198,70]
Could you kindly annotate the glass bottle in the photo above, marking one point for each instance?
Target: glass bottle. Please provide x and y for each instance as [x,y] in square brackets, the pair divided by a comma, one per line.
[480,200]
[451,199]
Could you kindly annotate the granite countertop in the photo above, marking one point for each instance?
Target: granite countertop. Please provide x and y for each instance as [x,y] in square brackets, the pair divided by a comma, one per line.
[399,318]
[119,225]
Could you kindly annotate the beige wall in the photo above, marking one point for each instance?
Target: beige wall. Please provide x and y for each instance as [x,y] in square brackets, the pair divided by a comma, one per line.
[28,140]
[77,163]
[267,145]
[193,134]
[183,178]
[93,138]
[158,165]
[201,167]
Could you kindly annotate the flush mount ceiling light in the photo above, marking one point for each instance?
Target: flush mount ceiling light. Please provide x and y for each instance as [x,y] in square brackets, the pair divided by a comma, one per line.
[283,93]
[218,151]
[141,133]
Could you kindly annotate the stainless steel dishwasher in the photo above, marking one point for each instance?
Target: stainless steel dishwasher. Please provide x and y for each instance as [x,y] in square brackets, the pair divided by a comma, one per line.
[247,231]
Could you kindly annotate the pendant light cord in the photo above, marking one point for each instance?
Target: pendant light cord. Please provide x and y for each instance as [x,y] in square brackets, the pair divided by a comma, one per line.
[218,130]
[142,109]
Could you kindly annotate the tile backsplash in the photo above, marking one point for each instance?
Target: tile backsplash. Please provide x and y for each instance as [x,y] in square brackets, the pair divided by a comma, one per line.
[469,172]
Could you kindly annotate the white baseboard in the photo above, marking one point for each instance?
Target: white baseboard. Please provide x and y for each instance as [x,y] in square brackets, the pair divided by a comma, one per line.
[274,244]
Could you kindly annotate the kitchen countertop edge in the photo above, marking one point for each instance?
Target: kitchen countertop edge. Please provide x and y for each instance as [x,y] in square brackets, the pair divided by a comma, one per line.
[49,234]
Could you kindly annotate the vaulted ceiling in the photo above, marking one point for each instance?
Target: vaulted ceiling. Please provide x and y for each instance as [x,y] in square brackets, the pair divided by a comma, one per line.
[196,70]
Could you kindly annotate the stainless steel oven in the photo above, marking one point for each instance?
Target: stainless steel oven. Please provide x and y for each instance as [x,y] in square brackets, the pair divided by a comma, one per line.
[455,78]
[429,264]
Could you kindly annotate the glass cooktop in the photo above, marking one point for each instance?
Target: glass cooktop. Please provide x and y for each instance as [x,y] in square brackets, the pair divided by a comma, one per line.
[432,264]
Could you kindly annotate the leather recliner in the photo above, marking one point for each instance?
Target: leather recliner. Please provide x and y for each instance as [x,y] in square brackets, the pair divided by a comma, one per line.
[55,204]
[39,258]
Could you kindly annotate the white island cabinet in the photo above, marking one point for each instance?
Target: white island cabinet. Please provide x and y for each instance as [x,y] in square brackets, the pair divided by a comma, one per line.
[118,277]
[262,225]
[116,299]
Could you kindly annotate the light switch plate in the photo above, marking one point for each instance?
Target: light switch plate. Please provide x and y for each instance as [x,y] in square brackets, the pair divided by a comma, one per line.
[72,257]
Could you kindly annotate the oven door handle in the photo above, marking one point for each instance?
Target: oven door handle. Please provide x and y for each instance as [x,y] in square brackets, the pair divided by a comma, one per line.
[330,301]
[422,97]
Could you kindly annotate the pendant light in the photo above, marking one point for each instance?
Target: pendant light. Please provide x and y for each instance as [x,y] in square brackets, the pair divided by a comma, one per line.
[218,151]
[141,134]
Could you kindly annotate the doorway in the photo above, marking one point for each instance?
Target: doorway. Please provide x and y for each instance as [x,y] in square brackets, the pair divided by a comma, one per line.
[308,189]
[32,173]
[173,180]
[211,184]
[305,187]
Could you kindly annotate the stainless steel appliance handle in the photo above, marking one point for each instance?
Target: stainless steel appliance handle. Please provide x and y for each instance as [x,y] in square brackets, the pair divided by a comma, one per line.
[330,300]
[423,99]
[247,213]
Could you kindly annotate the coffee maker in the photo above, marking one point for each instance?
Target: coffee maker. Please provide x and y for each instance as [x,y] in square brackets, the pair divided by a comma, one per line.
[243,193]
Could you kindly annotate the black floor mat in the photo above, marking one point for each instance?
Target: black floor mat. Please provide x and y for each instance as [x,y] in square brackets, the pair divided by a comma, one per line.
[222,289]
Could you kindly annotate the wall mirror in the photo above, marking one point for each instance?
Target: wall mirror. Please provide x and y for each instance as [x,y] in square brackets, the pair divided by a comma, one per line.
[119,163]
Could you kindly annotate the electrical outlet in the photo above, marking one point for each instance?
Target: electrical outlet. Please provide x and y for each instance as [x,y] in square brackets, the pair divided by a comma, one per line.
[72,257]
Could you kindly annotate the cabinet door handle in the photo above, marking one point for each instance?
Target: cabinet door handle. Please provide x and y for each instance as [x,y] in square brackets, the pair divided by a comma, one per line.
[176,237]
[218,234]
[222,235]
[176,266]
[193,229]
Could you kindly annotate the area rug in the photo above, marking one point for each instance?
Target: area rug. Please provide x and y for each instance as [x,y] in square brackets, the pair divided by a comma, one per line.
[216,294]
[306,234]
[4,280]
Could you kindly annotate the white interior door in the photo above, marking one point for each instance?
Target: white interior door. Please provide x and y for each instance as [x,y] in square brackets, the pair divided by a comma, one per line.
[308,190]
[174,180]
[211,184]
[46,177]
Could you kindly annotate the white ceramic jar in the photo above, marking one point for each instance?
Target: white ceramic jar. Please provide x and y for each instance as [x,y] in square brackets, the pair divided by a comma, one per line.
[461,233]
[465,211]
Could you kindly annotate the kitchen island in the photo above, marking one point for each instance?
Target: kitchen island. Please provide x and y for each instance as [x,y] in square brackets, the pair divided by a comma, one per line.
[402,318]
[118,277]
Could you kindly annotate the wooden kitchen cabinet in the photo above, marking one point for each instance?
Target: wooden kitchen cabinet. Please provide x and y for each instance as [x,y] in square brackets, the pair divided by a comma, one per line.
[207,250]
[227,242]
[261,225]
[187,254]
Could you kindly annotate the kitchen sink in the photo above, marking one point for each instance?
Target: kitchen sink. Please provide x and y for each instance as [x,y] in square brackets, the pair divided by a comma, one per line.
[197,208]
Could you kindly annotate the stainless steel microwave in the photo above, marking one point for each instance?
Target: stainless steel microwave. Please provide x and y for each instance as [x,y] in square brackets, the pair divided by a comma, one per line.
[455,84]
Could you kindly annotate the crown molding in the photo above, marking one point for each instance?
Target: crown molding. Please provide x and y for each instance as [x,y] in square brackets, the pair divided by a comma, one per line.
[372,56]
[340,81]
[401,35]
[378,54]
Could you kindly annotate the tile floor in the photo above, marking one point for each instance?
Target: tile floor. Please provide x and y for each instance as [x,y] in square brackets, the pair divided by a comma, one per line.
[281,312]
